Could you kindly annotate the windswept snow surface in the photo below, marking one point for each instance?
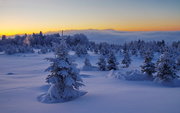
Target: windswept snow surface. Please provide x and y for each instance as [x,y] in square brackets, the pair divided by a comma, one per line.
[19,90]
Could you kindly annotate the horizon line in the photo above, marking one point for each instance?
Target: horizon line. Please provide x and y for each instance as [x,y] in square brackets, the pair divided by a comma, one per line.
[56,31]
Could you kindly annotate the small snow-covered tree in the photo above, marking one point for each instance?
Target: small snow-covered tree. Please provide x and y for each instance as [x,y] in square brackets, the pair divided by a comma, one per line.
[96,50]
[24,49]
[10,49]
[104,48]
[178,63]
[102,63]
[64,78]
[87,65]
[134,51]
[3,37]
[87,62]
[165,68]
[43,50]
[112,62]
[148,67]
[81,50]
[126,60]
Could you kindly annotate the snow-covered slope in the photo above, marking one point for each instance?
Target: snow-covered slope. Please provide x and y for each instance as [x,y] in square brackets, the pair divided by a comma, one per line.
[22,80]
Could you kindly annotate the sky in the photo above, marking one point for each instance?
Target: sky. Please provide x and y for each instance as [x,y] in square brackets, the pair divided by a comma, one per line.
[28,16]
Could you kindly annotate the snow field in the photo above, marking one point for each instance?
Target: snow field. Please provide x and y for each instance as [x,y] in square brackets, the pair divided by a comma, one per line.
[19,91]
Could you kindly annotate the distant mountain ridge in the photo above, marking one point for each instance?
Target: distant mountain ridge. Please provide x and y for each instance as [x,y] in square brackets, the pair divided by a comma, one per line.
[113,36]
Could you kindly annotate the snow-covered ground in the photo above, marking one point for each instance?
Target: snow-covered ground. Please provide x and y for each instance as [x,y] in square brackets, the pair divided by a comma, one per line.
[22,80]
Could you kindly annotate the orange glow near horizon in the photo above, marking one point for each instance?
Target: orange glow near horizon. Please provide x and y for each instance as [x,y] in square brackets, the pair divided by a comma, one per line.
[19,32]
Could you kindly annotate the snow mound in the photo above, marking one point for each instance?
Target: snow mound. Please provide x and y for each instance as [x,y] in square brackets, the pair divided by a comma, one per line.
[134,75]
[10,73]
[111,73]
[44,88]
[86,76]
[89,68]
[46,97]
[2,53]
[173,83]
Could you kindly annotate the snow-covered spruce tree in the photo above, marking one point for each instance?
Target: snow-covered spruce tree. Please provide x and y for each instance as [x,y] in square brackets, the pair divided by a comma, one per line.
[148,67]
[81,50]
[102,63]
[87,62]
[104,48]
[165,69]
[87,65]
[178,63]
[24,49]
[10,49]
[4,37]
[43,50]
[134,51]
[112,62]
[64,78]
[96,50]
[126,60]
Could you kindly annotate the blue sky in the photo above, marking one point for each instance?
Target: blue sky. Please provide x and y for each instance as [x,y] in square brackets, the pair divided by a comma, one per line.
[19,16]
